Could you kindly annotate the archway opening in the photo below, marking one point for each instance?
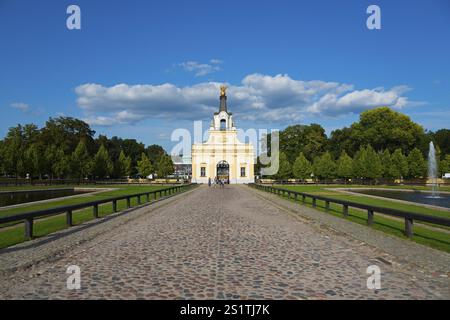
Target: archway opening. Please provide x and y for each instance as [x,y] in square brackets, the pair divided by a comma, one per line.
[223,124]
[223,171]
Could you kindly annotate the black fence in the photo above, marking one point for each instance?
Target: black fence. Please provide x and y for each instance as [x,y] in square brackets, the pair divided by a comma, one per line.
[408,216]
[29,217]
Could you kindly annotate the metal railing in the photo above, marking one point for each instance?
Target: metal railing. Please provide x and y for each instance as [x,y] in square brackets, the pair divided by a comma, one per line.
[408,216]
[29,217]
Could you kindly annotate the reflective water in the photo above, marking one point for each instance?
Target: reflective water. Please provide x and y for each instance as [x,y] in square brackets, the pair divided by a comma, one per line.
[419,197]
[24,197]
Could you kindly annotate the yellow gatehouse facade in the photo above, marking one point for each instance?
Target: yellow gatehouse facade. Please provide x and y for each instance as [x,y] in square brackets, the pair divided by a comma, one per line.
[223,155]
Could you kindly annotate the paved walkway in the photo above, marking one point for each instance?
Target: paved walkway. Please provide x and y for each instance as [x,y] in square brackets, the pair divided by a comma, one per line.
[214,244]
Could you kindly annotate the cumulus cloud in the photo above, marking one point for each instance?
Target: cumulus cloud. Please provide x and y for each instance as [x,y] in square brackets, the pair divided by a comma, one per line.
[20,106]
[201,69]
[257,98]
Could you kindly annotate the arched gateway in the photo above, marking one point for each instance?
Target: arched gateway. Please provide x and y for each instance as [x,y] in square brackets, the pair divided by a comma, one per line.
[223,170]
[223,155]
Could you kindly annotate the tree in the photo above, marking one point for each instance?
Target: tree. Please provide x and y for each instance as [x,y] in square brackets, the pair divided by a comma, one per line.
[61,164]
[311,140]
[399,165]
[416,164]
[284,167]
[154,153]
[444,165]
[345,166]
[324,167]
[302,168]
[367,164]
[164,166]
[385,158]
[441,138]
[384,128]
[102,165]
[34,160]
[144,166]
[340,140]
[80,161]
[14,152]
[65,133]
[123,165]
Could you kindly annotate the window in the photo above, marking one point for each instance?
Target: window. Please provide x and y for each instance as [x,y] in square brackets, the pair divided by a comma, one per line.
[203,172]
[223,124]
[242,171]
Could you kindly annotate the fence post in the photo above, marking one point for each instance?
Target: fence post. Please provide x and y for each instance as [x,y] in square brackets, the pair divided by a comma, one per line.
[114,205]
[370,217]
[128,202]
[139,199]
[95,211]
[29,228]
[409,227]
[327,205]
[303,198]
[314,202]
[69,218]
[345,210]
[148,197]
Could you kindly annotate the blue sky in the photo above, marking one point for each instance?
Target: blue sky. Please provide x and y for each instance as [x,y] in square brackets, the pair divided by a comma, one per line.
[140,69]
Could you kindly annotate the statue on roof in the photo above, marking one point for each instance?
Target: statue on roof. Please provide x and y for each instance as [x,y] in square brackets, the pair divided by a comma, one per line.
[223,90]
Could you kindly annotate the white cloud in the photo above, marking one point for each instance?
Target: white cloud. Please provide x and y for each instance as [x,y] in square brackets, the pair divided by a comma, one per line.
[201,69]
[21,106]
[258,98]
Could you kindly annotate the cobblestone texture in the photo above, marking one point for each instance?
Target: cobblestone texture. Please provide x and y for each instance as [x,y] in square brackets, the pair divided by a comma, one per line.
[221,244]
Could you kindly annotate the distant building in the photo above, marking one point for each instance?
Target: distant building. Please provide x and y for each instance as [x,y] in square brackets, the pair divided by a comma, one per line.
[223,155]
[182,167]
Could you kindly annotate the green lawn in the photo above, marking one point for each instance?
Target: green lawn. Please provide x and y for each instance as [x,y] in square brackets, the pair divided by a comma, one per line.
[423,235]
[15,234]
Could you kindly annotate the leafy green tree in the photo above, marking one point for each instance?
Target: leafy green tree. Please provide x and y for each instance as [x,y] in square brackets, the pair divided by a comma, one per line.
[444,165]
[14,152]
[367,164]
[440,138]
[2,159]
[34,160]
[384,128]
[416,164]
[311,140]
[80,161]
[164,166]
[102,165]
[345,166]
[302,168]
[284,167]
[145,166]
[340,140]
[61,166]
[65,133]
[324,167]
[399,165]
[123,165]
[385,158]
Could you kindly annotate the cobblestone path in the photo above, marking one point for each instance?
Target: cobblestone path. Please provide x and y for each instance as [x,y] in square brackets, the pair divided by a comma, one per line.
[223,243]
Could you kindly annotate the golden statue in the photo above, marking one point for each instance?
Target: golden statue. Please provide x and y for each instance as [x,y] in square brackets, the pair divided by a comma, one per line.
[223,90]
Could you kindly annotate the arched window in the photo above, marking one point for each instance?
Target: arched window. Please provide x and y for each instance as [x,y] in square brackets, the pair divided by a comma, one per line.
[223,124]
